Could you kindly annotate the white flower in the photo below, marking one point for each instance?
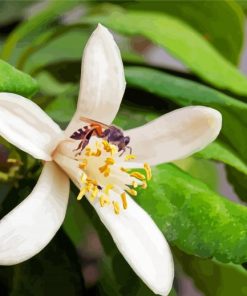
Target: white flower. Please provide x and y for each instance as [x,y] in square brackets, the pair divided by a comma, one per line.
[99,171]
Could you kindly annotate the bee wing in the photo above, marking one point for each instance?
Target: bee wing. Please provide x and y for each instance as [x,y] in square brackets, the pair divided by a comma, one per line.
[90,121]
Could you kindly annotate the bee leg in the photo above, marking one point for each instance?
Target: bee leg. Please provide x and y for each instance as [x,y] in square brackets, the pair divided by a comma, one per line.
[130,149]
[123,150]
[79,146]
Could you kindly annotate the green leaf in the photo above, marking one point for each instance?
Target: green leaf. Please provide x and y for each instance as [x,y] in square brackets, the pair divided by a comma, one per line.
[182,42]
[220,152]
[13,80]
[210,18]
[37,22]
[54,271]
[185,92]
[213,278]
[202,169]
[193,217]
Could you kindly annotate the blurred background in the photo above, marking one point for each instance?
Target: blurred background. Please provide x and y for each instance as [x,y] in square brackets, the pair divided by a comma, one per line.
[175,53]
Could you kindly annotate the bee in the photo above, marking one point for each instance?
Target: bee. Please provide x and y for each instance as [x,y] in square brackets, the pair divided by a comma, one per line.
[110,133]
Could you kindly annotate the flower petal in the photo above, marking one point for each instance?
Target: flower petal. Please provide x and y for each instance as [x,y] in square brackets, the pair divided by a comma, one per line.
[141,243]
[135,234]
[102,80]
[29,227]
[26,126]
[175,135]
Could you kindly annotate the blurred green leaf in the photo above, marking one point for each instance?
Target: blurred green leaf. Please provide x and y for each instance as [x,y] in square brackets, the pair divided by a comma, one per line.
[54,271]
[62,108]
[61,44]
[12,10]
[13,80]
[182,41]
[213,278]
[194,218]
[212,19]
[37,22]
[219,152]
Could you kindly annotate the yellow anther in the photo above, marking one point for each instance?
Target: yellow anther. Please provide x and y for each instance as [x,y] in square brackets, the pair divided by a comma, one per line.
[124,170]
[97,153]
[138,175]
[130,156]
[144,185]
[131,191]
[108,188]
[113,149]
[109,160]
[83,178]
[81,193]
[92,181]
[124,200]
[116,207]
[94,192]
[148,171]
[83,164]
[109,147]
[88,151]
[134,184]
[105,170]
[103,200]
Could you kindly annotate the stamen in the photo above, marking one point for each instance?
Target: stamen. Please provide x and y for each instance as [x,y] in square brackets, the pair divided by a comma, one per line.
[83,164]
[132,192]
[120,179]
[109,147]
[134,184]
[105,169]
[110,161]
[116,207]
[104,200]
[148,171]
[88,151]
[108,188]
[130,156]
[138,175]
[97,153]
[83,178]
[81,193]
[95,192]
[124,200]
[144,185]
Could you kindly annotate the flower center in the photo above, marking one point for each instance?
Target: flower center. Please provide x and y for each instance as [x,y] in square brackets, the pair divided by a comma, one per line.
[106,173]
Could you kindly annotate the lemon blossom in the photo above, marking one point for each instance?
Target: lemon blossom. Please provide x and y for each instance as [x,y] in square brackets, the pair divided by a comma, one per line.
[103,171]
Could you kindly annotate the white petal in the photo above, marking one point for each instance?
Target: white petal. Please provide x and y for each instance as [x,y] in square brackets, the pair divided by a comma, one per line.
[29,227]
[102,80]
[26,126]
[175,135]
[136,236]
[142,244]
